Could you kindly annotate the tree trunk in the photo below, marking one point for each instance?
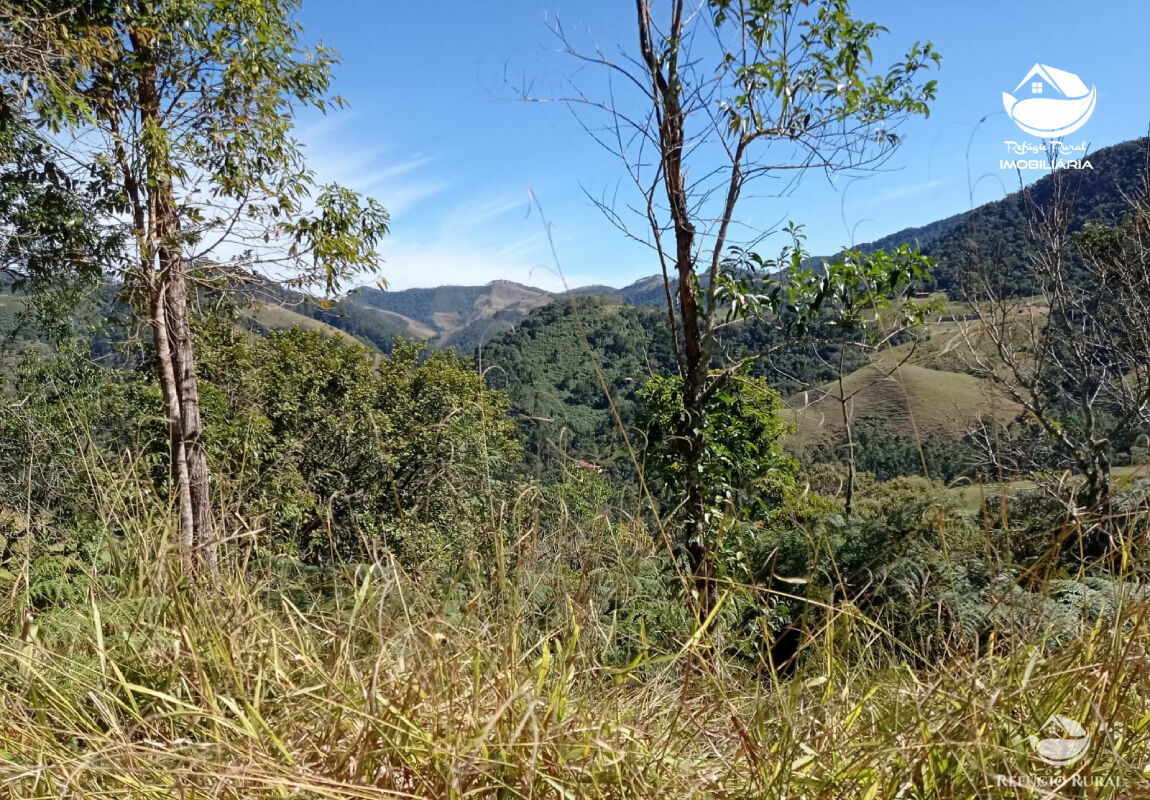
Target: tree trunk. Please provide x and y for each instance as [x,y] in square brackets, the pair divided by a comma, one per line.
[1096,497]
[666,91]
[187,392]
[848,504]
[172,330]
[179,465]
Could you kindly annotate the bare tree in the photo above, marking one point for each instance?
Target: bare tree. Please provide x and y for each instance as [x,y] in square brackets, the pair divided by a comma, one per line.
[1077,356]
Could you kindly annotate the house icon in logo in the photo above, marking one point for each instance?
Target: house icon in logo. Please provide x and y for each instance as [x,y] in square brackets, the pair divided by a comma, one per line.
[1050,102]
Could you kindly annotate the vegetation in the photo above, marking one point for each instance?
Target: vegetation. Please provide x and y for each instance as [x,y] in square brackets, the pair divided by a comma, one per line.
[569,368]
[1081,369]
[779,528]
[188,106]
[553,669]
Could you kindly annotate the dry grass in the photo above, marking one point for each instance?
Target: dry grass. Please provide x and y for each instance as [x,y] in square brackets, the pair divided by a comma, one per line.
[275,317]
[367,687]
[914,400]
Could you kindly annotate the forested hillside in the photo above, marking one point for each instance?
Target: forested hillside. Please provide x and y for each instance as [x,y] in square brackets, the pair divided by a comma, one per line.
[569,368]
[992,237]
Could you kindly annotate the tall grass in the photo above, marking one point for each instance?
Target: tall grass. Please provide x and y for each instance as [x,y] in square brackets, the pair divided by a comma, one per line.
[361,682]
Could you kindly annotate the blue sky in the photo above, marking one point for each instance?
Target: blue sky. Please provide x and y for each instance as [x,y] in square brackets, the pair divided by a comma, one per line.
[436,133]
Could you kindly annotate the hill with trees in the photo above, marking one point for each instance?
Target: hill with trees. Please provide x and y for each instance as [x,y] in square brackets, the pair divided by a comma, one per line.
[993,236]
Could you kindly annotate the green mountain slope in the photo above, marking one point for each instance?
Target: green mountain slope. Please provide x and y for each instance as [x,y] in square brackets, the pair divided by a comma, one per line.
[994,234]
[557,390]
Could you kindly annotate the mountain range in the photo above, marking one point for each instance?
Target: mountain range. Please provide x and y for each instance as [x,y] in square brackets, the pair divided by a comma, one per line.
[991,235]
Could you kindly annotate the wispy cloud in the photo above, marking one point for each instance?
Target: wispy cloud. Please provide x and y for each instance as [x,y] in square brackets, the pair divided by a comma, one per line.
[399,181]
[506,206]
[908,191]
[469,235]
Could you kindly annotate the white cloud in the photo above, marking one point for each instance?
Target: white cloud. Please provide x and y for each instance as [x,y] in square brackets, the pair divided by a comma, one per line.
[465,237]
[399,182]
[412,262]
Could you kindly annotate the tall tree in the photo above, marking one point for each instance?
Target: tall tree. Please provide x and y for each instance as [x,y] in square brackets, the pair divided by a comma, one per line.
[721,94]
[181,112]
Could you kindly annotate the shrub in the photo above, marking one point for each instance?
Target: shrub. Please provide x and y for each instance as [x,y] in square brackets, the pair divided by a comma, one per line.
[335,449]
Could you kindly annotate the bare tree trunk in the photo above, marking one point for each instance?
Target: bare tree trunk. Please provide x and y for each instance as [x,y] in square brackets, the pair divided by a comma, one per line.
[148,232]
[850,487]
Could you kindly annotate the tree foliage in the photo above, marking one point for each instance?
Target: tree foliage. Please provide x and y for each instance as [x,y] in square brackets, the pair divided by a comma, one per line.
[744,468]
[181,114]
[334,449]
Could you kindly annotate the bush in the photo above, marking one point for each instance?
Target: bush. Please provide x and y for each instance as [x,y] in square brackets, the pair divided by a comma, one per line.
[337,451]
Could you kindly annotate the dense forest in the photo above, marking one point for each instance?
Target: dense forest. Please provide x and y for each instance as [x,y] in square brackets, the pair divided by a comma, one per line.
[767,525]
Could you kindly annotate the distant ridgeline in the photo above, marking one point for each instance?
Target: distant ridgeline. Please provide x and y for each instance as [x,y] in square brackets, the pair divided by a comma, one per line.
[989,239]
[992,237]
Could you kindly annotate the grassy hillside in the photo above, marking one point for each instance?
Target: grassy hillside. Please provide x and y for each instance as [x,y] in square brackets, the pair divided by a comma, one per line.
[914,401]
[268,316]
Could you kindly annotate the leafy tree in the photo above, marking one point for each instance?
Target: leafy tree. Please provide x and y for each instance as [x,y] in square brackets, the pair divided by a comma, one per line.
[328,449]
[71,432]
[52,245]
[788,87]
[863,318]
[744,468]
[185,113]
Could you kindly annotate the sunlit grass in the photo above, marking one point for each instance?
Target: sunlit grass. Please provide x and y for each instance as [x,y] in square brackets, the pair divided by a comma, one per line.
[375,689]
